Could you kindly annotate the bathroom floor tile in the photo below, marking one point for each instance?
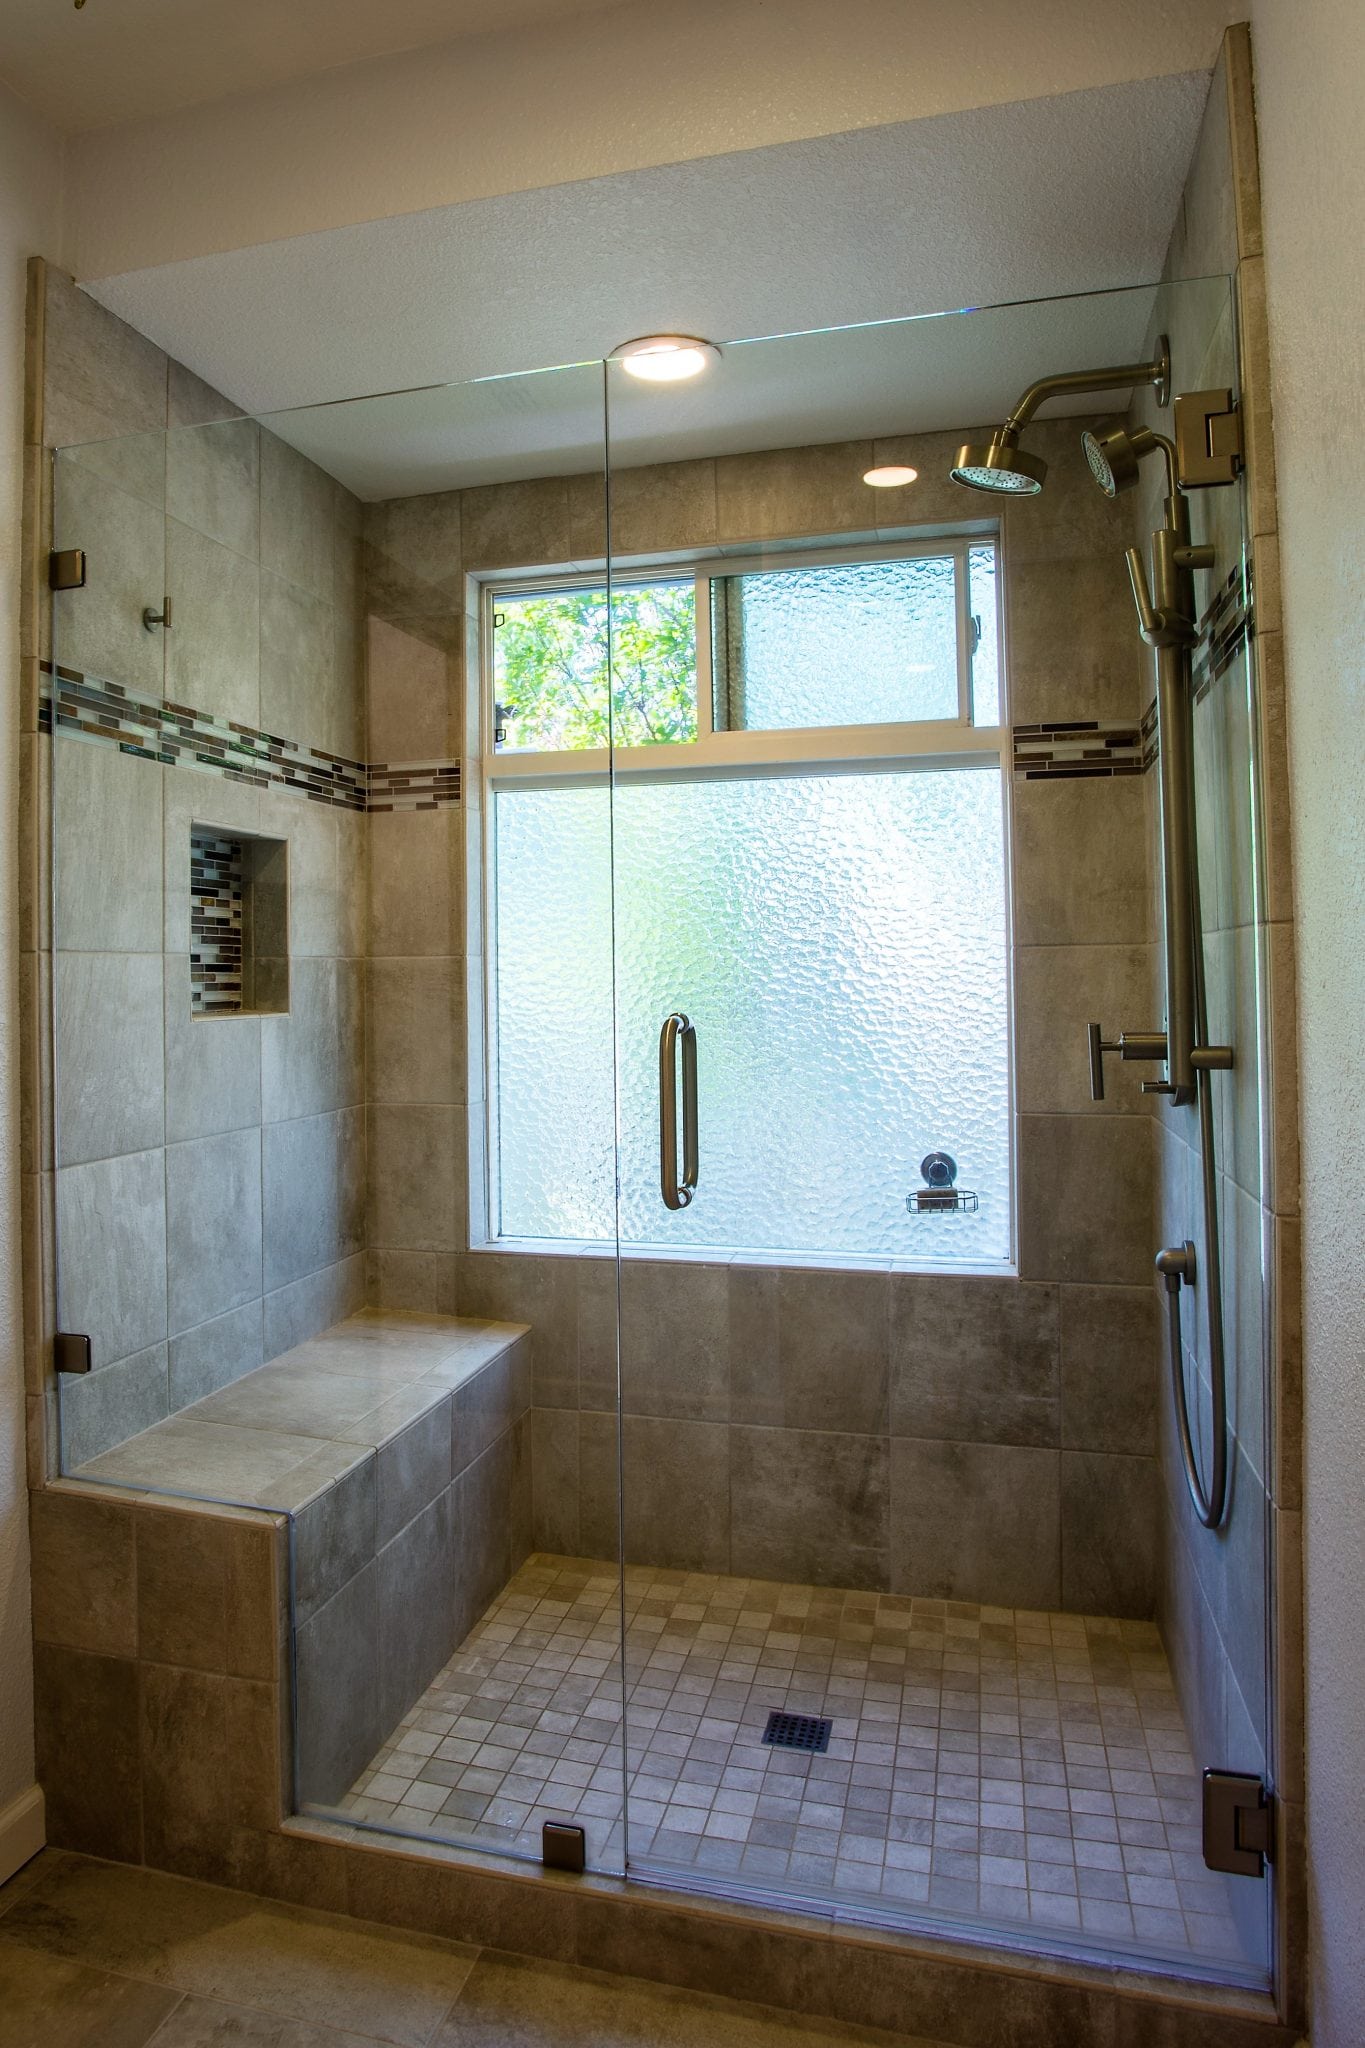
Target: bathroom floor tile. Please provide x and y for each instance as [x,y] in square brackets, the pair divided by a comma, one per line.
[981,1760]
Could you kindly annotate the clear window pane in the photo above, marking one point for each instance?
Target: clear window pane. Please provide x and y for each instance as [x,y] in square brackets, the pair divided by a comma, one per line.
[982,603]
[853,643]
[550,666]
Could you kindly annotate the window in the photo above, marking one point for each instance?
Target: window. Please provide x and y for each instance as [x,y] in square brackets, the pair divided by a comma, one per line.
[802,846]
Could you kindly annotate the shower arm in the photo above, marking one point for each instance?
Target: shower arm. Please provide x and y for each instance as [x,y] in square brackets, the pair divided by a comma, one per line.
[1072,382]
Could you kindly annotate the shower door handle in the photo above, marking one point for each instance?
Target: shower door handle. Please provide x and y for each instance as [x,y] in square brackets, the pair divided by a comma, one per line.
[677,1028]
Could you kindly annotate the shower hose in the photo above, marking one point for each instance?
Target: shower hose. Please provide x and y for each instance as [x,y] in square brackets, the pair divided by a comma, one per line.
[1209,1502]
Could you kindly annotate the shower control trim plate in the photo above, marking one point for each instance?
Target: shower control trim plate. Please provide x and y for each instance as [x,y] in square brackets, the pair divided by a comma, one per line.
[1239,1824]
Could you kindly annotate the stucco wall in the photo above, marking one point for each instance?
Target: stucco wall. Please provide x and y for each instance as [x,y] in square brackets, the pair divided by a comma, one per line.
[1310,68]
[30,197]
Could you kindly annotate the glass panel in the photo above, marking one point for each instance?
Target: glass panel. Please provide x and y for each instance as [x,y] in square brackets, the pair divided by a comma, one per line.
[269,851]
[850,643]
[550,661]
[838,942]
[821,1450]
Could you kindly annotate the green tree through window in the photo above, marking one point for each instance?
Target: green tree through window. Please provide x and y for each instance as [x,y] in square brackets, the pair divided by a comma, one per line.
[550,667]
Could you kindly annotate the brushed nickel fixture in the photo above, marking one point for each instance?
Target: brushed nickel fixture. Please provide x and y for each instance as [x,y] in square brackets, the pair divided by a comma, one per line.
[152,619]
[1001,465]
[677,1029]
[1166,620]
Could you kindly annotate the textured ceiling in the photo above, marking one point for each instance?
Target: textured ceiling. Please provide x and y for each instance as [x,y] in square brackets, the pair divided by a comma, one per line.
[118,60]
[1037,199]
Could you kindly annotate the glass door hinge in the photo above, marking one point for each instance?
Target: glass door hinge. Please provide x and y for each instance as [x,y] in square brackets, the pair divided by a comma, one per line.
[71,1352]
[563,1846]
[66,569]
[1208,439]
[1239,1824]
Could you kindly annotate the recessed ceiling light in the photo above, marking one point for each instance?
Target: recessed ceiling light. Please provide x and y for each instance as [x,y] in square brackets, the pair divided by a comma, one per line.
[665,358]
[890,477]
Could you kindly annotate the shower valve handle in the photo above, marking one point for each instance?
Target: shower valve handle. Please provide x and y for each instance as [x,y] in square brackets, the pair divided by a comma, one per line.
[1129,1045]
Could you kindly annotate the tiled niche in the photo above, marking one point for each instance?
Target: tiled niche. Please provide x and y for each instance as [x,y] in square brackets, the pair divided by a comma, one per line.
[239,924]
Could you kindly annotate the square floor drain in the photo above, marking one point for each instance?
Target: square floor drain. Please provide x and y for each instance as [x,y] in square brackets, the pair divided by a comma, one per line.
[798,1731]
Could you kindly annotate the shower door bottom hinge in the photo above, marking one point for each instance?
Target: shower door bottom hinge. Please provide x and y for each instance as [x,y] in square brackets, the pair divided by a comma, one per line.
[1239,1824]
[563,1846]
[71,1352]
[66,569]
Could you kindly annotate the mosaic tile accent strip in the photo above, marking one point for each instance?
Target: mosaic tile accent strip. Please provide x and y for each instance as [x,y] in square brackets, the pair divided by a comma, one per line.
[156,729]
[1224,630]
[1027,1769]
[217,890]
[1078,746]
[412,785]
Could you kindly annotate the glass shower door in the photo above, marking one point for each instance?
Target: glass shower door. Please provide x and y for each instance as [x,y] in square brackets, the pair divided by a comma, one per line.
[813,1082]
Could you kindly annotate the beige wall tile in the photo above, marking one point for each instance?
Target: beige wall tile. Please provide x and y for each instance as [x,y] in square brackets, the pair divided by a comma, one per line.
[415,696]
[1085,1199]
[213,482]
[298,502]
[416,1031]
[86,1715]
[412,555]
[99,629]
[790,491]
[976,1522]
[1080,872]
[213,649]
[515,526]
[101,377]
[1058,991]
[974,1358]
[413,1178]
[84,1577]
[1110,1348]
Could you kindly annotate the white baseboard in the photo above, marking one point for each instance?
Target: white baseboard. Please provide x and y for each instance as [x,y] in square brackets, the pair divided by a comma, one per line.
[23,1831]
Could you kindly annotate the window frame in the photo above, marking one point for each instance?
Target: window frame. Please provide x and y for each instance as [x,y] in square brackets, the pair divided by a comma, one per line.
[908,745]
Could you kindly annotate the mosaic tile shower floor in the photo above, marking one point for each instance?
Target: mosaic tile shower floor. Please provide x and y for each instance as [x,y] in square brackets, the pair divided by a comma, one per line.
[986,1762]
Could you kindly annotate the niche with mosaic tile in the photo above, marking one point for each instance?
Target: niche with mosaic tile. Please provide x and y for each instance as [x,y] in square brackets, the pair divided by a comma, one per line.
[239,923]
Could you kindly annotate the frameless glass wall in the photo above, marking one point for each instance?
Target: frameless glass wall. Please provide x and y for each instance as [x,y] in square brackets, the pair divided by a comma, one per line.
[569,1081]
[916,1624]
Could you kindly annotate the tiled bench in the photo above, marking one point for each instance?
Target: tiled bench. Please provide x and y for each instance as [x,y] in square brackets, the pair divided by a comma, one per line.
[398,1446]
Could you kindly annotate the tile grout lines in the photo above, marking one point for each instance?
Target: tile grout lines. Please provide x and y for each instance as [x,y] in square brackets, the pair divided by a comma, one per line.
[1018,1767]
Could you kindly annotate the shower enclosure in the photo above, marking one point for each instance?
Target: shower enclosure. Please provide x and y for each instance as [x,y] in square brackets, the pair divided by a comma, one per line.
[575,907]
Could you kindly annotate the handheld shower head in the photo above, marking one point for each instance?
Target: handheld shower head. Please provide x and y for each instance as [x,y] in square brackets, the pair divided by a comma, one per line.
[1114,457]
[1002,466]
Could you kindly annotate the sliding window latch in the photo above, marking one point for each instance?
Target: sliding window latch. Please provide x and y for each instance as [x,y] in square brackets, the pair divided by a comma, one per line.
[1239,1824]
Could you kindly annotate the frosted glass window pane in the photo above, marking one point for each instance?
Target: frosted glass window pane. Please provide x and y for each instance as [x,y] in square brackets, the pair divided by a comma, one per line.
[856,643]
[839,943]
[550,667]
[552,1064]
[982,602]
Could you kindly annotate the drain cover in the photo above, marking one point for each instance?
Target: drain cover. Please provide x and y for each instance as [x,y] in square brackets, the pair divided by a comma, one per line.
[797,1731]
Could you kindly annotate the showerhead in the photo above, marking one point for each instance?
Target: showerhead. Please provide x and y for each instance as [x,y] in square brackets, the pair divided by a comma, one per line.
[1114,457]
[999,466]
